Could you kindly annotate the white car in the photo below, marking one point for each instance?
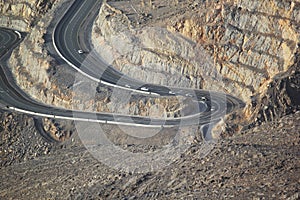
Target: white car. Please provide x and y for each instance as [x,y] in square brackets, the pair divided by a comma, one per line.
[144,89]
[171,92]
[212,108]
[80,51]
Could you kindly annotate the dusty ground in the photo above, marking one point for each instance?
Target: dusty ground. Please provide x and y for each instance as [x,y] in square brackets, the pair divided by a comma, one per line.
[260,163]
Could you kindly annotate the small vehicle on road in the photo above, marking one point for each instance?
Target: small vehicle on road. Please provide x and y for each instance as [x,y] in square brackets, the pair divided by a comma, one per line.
[144,89]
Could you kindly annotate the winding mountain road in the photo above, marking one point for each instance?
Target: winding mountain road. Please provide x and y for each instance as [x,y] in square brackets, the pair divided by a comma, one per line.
[69,37]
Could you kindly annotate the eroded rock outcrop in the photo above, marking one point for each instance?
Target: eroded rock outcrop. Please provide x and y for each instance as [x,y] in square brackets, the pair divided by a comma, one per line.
[23,14]
[251,41]
[31,65]
[246,44]
[150,54]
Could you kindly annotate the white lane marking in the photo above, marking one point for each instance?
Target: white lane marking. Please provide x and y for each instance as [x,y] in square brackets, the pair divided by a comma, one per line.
[19,34]
[153,93]
[97,120]
[137,125]
[121,87]
[87,120]
[76,84]
[89,76]
[32,113]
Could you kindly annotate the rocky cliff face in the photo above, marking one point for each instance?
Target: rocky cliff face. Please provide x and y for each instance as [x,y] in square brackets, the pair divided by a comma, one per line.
[282,96]
[227,46]
[250,41]
[233,46]
[23,14]
[152,55]
[255,48]
[31,64]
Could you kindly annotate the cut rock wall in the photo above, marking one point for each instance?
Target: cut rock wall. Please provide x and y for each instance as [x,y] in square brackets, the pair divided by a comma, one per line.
[229,46]
[251,41]
[152,55]
[246,44]
[22,15]
[233,46]
[31,64]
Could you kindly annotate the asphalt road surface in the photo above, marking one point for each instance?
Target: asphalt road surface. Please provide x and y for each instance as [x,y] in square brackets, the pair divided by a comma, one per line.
[69,37]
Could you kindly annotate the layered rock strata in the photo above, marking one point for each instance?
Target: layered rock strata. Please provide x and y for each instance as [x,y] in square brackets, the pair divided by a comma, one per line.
[236,47]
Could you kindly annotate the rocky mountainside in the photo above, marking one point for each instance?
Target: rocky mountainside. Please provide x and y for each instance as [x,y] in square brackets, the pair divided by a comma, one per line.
[246,48]
[23,15]
[237,47]
[219,52]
